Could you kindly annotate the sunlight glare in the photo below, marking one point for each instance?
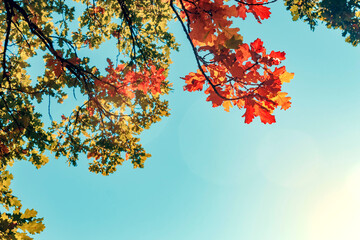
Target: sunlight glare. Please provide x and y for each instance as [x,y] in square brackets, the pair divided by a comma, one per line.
[337,215]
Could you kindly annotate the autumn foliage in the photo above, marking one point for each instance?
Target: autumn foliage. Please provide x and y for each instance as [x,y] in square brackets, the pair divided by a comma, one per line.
[125,81]
[115,102]
[233,73]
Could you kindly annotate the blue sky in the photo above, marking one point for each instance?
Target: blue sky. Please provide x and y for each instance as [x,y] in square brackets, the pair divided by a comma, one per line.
[211,176]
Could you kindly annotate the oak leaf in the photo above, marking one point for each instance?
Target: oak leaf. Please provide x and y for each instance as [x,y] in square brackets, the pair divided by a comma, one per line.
[286,77]
[282,99]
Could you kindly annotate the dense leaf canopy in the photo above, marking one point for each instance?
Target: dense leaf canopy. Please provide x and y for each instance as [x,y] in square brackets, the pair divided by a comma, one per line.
[119,101]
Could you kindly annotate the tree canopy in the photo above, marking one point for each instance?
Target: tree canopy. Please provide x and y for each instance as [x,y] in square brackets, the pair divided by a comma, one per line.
[337,14]
[126,97]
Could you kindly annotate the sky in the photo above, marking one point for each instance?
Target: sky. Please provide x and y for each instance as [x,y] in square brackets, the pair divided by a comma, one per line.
[211,176]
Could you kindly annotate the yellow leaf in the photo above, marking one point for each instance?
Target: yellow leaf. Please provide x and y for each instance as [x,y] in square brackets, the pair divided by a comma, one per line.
[286,77]
[282,100]
[29,213]
[227,105]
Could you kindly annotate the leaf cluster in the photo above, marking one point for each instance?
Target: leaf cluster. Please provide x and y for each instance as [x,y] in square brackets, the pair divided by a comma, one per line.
[115,105]
[233,72]
[337,14]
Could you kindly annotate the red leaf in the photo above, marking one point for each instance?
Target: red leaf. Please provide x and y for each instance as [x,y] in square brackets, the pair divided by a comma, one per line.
[214,98]
[257,46]
[278,71]
[278,55]
[242,11]
[264,114]
[249,113]
[260,12]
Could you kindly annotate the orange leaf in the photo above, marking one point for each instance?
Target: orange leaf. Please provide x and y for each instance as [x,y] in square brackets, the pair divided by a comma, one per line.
[264,114]
[227,105]
[282,100]
[286,77]
[242,11]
